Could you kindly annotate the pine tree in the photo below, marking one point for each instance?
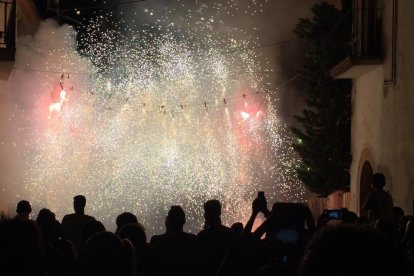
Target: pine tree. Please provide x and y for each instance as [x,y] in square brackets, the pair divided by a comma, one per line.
[323,141]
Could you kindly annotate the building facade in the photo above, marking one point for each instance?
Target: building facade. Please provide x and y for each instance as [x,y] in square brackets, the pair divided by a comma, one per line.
[382,128]
[17,17]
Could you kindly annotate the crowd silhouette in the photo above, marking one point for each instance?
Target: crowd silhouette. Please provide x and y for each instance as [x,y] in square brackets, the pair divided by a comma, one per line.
[288,242]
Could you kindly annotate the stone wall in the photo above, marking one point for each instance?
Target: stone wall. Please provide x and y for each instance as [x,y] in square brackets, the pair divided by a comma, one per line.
[383,116]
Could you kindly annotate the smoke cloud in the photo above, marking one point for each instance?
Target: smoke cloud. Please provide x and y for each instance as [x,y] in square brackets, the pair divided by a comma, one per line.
[25,98]
[43,58]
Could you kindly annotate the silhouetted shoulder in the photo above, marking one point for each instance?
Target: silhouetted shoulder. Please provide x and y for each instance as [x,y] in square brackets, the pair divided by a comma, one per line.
[89,218]
[156,239]
[68,217]
[190,236]
[75,216]
[220,229]
[183,239]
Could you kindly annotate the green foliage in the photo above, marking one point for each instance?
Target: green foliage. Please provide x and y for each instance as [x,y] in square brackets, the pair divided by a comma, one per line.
[323,141]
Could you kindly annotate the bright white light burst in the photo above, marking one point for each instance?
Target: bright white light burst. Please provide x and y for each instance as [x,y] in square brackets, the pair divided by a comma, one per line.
[166,118]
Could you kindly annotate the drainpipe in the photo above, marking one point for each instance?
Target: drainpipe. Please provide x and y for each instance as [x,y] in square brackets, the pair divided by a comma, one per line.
[392,81]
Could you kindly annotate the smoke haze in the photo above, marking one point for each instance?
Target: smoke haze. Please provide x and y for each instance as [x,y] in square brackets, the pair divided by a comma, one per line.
[26,96]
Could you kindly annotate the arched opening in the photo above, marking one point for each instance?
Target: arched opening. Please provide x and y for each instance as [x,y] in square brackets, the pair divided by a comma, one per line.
[364,185]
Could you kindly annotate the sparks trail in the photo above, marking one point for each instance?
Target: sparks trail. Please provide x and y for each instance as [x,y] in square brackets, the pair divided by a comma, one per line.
[117,153]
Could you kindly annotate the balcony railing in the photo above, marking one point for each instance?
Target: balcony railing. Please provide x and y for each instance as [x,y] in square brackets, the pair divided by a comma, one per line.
[7,30]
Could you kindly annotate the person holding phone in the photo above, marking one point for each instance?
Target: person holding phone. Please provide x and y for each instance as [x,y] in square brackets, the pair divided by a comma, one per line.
[281,213]
[283,234]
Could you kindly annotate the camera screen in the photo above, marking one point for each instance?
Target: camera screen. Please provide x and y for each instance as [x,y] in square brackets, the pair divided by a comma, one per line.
[335,214]
[287,235]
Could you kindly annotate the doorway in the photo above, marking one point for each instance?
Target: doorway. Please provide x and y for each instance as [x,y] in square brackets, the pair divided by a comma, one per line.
[364,186]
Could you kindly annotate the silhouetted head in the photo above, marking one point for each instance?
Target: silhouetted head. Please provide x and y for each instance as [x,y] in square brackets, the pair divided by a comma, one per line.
[90,228]
[378,181]
[387,226]
[212,211]
[46,220]
[175,218]
[79,203]
[397,214]
[237,228]
[123,219]
[24,208]
[352,250]
[134,232]
[105,254]
[349,217]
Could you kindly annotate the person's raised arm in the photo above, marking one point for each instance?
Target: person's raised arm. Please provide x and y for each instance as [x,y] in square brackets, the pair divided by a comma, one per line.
[256,205]
[261,230]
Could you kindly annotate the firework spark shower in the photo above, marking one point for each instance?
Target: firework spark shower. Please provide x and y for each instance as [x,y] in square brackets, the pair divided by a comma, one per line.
[151,118]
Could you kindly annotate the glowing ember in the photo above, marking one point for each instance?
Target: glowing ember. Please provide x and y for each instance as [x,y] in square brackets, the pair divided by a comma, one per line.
[245,115]
[57,106]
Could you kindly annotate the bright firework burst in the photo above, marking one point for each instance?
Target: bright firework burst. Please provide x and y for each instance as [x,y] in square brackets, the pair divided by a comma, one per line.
[166,117]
